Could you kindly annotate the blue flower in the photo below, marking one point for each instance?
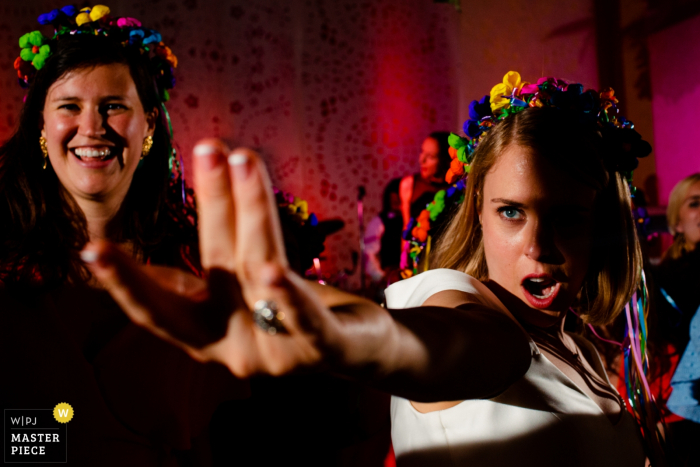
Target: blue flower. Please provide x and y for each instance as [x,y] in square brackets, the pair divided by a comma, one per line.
[471,128]
[144,36]
[50,17]
[477,111]
[409,228]
[151,36]
[480,109]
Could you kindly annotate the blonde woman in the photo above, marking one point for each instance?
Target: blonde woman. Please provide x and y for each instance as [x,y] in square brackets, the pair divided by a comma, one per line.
[476,355]
[683,216]
[678,275]
[677,279]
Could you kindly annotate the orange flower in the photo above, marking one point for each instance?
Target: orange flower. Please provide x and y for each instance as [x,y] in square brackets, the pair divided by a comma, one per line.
[420,234]
[166,54]
[457,167]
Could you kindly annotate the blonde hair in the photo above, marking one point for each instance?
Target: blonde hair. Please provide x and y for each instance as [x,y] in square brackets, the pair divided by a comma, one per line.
[673,215]
[575,149]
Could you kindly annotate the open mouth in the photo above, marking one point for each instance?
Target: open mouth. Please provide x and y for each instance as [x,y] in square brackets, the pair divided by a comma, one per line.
[540,291]
[95,154]
[540,287]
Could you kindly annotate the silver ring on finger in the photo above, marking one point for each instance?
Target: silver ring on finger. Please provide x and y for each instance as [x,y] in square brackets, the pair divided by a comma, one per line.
[267,317]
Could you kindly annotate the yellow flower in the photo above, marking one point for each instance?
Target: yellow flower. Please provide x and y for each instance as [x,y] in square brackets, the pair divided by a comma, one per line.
[299,208]
[510,81]
[91,14]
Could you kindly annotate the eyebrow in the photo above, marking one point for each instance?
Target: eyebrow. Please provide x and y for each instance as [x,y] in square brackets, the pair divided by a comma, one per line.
[509,202]
[74,99]
[692,198]
[517,204]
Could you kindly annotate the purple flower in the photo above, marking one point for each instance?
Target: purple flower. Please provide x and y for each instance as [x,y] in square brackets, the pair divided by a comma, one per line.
[166,79]
[54,16]
[477,111]
[50,17]
[409,228]
[480,109]
[471,128]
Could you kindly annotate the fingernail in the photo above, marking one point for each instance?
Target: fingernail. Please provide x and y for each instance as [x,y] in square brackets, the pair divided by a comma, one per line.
[239,163]
[208,155]
[204,150]
[88,256]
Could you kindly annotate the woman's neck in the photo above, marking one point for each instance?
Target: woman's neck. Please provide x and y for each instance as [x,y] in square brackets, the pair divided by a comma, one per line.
[103,218]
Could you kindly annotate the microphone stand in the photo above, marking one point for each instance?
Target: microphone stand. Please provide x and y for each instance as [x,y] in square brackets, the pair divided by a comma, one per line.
[361,220]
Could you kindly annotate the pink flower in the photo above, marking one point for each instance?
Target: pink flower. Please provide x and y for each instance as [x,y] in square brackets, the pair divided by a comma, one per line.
[128,22]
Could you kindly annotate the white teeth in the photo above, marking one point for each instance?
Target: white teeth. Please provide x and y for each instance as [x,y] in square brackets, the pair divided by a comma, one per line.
[87,152]
[544,284]
[542,297]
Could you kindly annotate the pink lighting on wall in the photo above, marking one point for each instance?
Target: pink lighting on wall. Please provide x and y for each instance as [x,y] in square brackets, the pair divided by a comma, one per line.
[675,81]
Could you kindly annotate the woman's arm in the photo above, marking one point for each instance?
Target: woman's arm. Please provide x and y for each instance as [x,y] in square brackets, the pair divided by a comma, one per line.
[449,350]
[452,348]
[406,193]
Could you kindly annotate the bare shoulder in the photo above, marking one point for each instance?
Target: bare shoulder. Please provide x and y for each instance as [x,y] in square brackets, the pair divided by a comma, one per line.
[406,187]
[450,299]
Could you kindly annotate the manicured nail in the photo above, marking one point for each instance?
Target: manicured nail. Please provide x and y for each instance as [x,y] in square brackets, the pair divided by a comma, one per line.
[88,256]
[208,156]
[239,162]
[202,150]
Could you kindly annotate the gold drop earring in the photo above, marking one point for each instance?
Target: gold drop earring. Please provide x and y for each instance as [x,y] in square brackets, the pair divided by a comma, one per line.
[146,147]
[44,150]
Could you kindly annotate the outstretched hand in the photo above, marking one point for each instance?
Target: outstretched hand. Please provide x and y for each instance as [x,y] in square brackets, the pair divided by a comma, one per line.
[243,259]
[425,354]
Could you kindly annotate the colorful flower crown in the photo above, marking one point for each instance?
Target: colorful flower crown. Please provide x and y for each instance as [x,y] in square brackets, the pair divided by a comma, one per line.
[622,144]
[95,21]
[295,208]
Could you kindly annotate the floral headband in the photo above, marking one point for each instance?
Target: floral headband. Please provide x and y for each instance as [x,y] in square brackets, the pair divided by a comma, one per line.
[622,144]
[296,208]
[96,21]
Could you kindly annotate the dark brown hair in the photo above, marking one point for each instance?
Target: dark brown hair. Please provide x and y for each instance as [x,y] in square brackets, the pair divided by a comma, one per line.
[43,228]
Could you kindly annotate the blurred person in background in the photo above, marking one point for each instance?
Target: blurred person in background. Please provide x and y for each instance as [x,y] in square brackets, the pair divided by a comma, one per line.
[383,239]
[419,189]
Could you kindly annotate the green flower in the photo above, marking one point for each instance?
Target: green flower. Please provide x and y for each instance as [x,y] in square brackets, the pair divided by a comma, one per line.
[34,49]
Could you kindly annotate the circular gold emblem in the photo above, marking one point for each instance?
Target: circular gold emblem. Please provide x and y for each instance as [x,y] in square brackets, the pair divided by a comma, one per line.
[63,412]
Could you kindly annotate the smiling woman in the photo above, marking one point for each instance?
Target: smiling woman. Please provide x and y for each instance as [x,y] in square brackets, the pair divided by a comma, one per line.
[93,159]
[95,127]
[92,96]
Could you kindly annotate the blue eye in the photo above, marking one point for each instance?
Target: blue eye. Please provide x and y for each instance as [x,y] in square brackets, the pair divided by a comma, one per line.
[510,213]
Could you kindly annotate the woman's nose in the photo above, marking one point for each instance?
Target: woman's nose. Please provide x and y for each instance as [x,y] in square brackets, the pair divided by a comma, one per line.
[92,123]
[541,246]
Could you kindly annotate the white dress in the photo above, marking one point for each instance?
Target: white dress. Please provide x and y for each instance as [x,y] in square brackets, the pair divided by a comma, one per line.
[542,420]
